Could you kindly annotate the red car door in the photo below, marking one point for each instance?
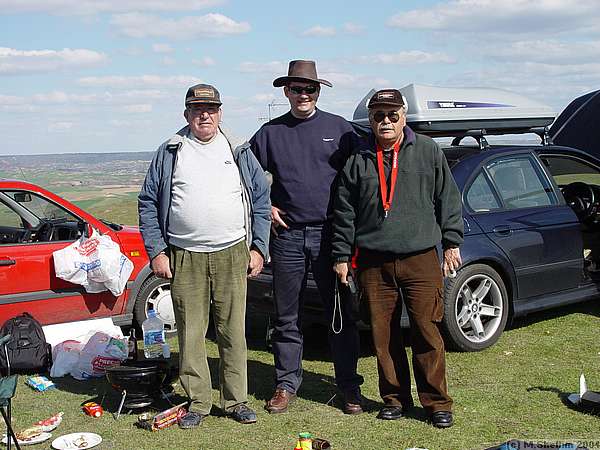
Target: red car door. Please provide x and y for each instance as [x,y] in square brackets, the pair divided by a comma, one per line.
[27,277]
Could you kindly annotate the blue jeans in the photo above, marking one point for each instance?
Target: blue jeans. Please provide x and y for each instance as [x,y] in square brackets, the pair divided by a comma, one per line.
[293,251]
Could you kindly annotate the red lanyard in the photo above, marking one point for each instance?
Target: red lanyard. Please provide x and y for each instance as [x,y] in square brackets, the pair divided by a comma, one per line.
[385,199]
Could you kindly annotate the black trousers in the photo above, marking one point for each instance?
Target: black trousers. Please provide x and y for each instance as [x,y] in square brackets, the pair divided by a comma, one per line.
[293,251]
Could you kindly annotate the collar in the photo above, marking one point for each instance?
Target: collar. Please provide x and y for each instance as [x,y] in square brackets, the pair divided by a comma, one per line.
[302,119]
[192,137]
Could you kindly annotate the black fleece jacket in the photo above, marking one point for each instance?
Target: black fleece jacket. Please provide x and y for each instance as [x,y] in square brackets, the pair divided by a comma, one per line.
[425,210]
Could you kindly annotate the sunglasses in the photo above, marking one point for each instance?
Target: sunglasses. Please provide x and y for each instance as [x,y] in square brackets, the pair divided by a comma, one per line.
[199,110]
[379,116]
[303,89]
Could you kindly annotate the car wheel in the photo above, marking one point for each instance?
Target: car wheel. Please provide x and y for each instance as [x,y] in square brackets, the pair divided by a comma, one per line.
[475,308]
[155,294]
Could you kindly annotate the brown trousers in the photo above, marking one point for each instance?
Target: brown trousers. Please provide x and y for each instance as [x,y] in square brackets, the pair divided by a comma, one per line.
[382,277]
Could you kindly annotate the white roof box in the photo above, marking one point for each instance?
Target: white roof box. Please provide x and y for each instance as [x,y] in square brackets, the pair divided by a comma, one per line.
[451,111]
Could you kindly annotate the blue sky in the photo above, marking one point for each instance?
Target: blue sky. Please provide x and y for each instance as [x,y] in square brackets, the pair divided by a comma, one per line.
[111,75]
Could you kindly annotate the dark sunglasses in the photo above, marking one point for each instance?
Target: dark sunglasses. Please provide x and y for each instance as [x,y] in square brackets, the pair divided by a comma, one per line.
[394,116]
[303,89]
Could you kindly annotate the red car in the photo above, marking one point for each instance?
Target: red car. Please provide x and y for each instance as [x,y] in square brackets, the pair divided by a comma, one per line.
[33,224]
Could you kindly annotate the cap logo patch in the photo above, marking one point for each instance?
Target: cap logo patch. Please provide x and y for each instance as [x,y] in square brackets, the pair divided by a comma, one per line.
[204,93]
[385,95]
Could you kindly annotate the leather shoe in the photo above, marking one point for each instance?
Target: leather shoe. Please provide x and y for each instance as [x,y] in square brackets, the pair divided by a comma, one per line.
[243,414]
[280,401]
[190,420]
[390,413]
[442,419]
[352,403]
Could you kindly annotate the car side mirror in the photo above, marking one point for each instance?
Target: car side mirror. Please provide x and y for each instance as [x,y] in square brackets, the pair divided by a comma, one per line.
[22,197]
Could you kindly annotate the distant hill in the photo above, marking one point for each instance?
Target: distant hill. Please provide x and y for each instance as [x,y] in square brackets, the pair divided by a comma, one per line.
[23,161]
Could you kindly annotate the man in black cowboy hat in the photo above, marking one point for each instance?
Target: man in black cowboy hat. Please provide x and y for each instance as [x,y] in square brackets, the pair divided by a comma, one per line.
[304,150]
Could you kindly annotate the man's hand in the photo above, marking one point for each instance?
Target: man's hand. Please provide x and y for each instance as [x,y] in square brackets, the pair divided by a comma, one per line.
[161,267]
[255,265]
[452,261]
[342,269]
[277,219]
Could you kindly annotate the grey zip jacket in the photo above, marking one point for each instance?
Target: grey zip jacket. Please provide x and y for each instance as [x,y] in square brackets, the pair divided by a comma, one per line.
[154,200]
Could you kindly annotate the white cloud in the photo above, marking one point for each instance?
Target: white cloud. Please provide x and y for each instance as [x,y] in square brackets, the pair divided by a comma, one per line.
[353,28]
[406,57]
[533,79]
[162,48]
[268,67]
[139,25]
[107,98]
[168,61]
[346,80]
[86,7]
[546,51]
[140,108]
[510,16]
[126,82]
[206,61]
[319,31]
[60,127]
[13,61]
[263,98]
[9,100]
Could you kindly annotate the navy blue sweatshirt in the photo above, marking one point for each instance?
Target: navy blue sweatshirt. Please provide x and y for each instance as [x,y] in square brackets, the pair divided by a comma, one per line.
[303,156]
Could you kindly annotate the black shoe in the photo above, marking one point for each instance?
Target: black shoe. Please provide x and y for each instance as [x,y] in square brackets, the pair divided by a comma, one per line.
[390,413]
[442,419]
[243,414]
[191,420]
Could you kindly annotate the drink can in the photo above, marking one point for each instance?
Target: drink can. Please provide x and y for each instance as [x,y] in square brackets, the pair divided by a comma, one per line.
[92,409]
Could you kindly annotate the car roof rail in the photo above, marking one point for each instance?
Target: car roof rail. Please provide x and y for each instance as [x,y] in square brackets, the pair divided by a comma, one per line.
[479,135]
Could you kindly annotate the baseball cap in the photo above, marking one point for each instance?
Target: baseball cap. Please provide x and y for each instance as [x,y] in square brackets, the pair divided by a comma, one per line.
[387,97]
[202,93]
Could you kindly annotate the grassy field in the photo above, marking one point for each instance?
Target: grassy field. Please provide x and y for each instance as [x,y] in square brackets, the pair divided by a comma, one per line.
[514,390]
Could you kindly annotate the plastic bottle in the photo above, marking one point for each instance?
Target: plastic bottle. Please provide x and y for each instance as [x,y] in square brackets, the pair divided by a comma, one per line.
[154,336]
[305,441]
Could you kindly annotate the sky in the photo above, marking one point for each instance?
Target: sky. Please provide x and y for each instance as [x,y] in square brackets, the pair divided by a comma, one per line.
[111,75]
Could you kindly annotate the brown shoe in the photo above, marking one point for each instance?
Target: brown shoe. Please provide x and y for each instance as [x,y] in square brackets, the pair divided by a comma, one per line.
[352,403]
[280,401]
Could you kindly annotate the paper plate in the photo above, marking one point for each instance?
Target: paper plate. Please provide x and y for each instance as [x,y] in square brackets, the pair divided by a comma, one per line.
[75,441]
[36,440]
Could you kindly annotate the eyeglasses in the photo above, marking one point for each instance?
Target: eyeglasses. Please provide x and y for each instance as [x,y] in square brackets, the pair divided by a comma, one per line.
[199,110]
[303,89]
[379,116]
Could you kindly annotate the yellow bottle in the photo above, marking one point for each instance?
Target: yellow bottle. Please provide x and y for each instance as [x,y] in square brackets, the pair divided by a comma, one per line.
[305,441]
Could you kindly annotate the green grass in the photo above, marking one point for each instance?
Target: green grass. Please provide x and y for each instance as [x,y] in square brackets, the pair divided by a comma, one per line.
[513,390]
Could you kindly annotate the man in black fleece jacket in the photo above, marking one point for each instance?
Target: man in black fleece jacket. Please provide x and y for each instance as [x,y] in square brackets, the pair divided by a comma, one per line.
[304,150]
[396,200]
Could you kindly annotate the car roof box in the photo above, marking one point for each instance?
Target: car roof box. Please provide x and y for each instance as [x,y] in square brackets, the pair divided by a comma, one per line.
[440,111]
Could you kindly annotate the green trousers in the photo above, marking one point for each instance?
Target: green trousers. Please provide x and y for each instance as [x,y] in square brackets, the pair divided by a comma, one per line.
[197,279]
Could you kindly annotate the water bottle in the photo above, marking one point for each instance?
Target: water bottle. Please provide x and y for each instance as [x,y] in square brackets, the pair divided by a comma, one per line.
[154,336]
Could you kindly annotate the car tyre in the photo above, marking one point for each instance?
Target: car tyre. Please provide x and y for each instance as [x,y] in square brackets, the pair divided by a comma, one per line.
[476,308]
[155,294]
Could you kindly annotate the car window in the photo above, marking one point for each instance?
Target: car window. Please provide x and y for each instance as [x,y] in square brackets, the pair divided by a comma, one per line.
[41,207]
[27,217]
[569,169]
[480,196]
[519,184]
[9,218]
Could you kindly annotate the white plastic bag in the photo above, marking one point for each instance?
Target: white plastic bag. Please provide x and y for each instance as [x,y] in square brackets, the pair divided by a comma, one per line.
[95,263]
[65,357]
[100,351]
